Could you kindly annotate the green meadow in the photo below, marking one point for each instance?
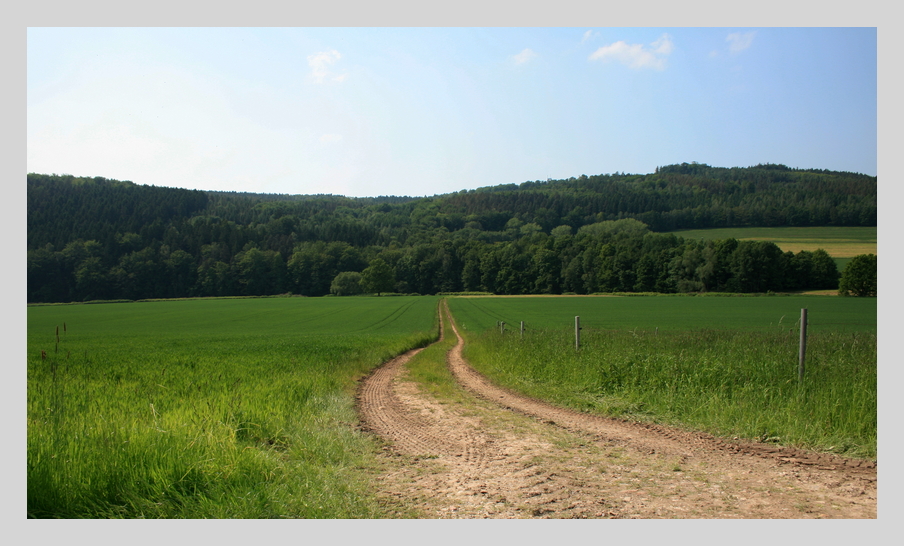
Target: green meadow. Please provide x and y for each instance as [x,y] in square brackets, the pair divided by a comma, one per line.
[725,365]
[667,312]
[225,408]
[244,408]
[842,243]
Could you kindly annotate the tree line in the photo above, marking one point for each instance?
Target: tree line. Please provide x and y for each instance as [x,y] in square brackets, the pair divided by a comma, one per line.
[94,238]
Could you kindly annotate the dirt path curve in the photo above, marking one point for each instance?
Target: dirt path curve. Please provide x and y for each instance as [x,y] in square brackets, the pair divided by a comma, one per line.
[503,455]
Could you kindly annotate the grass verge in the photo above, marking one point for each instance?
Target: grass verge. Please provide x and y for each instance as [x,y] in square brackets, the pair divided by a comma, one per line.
[727,382]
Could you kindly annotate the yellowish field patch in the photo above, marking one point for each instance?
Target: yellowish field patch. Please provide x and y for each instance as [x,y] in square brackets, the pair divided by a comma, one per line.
[837,248]
[839,242]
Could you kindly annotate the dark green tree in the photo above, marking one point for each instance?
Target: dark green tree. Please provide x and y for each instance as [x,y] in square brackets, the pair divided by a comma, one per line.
[347,283]
[182,273]
[216,278]
[139,274]
[91,280]
[260,272]
[548,269]
[470,273]
[378,277]
[825,271]
[860,277]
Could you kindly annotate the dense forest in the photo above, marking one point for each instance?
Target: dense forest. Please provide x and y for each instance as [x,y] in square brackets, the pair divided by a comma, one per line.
[94,238]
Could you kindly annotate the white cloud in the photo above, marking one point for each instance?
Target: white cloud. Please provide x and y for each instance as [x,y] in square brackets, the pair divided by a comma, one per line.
[526,55]
[739,42]
[663,45]
[588,35]
[330,137]
[320,62]
[637,55]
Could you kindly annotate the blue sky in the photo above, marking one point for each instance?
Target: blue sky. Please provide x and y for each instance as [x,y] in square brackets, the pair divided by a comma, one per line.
[423,111]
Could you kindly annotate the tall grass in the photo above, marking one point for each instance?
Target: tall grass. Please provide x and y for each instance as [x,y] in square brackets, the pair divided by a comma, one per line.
[728,382]
[161,413]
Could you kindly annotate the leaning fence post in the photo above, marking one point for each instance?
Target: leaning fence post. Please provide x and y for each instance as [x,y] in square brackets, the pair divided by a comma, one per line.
[577,332]
[803,344]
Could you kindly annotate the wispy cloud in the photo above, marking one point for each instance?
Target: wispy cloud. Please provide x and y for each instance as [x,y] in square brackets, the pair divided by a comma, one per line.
[663,46]
[637,55]
[330,137]
[588,35]
[526,55]
[320,63]
[738,42]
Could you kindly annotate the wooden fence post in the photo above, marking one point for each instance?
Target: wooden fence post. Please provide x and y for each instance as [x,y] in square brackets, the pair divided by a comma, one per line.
[522,329]
[502,327]
[577,332]
[803,344]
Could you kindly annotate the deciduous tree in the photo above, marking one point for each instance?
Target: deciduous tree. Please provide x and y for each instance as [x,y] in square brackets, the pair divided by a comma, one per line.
[347,283]
[860,277]
[378,277]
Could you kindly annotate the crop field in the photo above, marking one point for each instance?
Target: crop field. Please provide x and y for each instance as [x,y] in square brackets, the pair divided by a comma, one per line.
[230,408]
[842,243]
[726,365]
[673,312]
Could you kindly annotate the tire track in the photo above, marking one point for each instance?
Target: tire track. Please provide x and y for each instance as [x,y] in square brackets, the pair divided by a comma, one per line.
[453,461]
[407,424]
[504,455]
[648,437]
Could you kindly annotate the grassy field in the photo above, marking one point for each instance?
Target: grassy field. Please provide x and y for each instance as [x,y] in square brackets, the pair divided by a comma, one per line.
[842,243]
[208,408]
[720,364]
[678,312]
[243,408]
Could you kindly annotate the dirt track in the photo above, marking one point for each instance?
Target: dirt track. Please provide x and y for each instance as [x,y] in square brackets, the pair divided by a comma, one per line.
[502,455]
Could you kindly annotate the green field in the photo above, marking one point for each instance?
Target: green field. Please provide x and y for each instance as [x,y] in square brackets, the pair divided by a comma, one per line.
[243,408]
[647,313]
[726,365]
[842,243]
[232,408]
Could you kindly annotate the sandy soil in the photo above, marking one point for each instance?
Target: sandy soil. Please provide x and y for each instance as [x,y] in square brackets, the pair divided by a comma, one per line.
[502,455]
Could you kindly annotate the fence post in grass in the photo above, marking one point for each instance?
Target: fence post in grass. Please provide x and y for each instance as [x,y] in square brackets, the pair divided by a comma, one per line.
[577,332]
[522,329]
[803,344]
[502,327]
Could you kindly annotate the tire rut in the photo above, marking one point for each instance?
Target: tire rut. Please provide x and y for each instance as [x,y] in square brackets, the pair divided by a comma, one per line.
[510,456]
[648,437]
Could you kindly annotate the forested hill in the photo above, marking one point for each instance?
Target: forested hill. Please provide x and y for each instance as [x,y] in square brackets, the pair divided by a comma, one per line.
[94,238]
[686,196]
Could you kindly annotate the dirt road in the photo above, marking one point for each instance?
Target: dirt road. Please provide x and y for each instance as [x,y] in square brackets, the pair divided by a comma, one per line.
[502,455]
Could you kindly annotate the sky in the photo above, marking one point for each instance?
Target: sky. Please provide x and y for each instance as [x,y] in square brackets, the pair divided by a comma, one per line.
[421,111]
